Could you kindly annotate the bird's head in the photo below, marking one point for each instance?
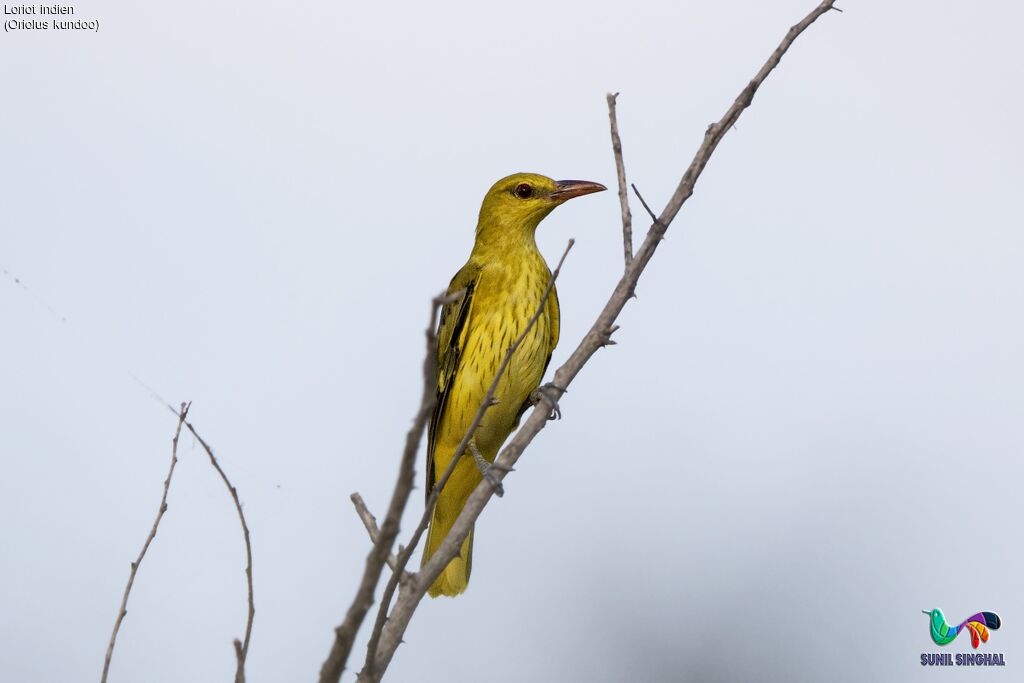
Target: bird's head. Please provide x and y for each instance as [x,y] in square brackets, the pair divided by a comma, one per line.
[516,204]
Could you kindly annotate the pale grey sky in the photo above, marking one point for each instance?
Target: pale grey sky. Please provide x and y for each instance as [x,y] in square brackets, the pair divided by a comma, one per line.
[809,431]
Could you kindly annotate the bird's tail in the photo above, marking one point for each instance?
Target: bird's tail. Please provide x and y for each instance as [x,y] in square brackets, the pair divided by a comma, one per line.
[455,577]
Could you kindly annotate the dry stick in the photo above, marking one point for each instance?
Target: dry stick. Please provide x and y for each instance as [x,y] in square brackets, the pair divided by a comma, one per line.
[368,672]
[345,634]
[596,337]
[182,413]
[654,216]
[240,658]
[241,647]
[620,171]
[370,522]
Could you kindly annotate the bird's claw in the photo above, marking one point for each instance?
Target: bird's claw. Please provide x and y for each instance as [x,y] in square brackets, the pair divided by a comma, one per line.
[487,470]
[495,483]
[549,394]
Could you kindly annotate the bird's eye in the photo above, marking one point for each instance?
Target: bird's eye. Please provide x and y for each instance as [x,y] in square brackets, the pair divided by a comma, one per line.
[523,191]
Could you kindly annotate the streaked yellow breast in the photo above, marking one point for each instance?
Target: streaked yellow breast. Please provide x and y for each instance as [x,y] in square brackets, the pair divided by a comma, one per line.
[507,295]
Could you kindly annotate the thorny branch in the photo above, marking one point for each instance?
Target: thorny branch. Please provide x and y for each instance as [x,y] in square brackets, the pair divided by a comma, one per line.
[393,627]
[345,634]
[620,172]
[370,522]
[369,672]
[241,647]
[123,609]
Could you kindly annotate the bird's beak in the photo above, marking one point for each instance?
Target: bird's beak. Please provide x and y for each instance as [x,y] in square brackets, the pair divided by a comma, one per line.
[567,189]
[924,611]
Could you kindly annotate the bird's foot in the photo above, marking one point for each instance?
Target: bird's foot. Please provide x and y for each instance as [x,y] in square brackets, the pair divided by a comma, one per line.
[487,469]
[549,395]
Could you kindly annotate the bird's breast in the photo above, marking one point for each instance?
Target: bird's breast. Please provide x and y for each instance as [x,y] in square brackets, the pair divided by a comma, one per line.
[504,303]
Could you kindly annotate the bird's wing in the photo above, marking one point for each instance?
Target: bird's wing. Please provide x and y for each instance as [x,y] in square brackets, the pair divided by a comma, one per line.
[451,337]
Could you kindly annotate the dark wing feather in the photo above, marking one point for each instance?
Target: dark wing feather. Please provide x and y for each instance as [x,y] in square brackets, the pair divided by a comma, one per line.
[553,324]
[449,332]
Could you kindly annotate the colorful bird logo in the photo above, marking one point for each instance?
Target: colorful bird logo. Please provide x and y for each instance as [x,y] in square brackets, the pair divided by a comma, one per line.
[978,625]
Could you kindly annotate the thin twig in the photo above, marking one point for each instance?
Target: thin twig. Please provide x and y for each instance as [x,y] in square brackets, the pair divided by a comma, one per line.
[370,522]
[620,172]
[369,672]
[596,338]
[654,217]
[123,610]
[345,633]
[241,649]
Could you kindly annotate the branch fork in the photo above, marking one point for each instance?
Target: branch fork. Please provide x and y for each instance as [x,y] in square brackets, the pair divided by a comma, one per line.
[391,622]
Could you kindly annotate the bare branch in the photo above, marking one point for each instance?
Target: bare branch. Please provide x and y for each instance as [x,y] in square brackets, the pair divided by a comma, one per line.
[123,610]
[620,172]
[240,654]
[241,648]
[345,634]
[370,672]
[716,131]
[370,522]
[596,338]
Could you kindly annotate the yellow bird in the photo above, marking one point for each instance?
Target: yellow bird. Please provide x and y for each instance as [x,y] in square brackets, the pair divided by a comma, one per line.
[503,283]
